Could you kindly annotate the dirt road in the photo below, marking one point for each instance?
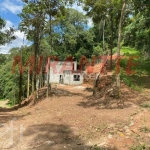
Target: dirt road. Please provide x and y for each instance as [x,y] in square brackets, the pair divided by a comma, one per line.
[66,121]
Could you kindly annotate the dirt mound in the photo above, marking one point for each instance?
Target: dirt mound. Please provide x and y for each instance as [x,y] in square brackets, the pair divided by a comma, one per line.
[106,96]
[89,78]
[33,99]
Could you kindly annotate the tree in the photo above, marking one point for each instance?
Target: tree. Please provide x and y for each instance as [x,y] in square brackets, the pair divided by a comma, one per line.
[137,32]
[105,15]
[33,22]
[72,35]
[38,17]
[6,35]
[119,42]
[9,83]
[3,59]
[53,9]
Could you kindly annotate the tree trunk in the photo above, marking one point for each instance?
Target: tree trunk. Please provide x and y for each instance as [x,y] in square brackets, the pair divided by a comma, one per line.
[96,84]
[111,42]
[28,85]
[33,82]
[103,36]
[20,89]
[49,59]
[40,78]
[118,51]
[48,76]
[20,80]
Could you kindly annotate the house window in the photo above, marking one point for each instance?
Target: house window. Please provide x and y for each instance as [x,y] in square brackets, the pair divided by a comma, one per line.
[76,77]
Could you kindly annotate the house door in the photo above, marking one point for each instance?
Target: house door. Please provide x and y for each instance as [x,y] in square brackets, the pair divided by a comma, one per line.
[61,79]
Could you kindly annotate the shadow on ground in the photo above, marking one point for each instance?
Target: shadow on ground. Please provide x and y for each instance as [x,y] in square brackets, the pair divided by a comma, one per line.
[6,117]
[56,137]
[100,101]
[57,93]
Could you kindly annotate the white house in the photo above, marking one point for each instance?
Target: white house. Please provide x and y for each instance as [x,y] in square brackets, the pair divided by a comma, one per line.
[65,72]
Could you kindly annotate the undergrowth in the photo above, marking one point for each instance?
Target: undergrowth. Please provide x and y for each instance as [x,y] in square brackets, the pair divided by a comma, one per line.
[135,71]
[132,81]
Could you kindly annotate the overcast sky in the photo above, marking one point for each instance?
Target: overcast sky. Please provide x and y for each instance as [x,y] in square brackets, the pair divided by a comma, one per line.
[8,11]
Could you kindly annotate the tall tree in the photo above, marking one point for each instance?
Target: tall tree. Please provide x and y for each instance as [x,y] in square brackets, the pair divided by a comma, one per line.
[53,9]
[37,21]
[73,36]
[119,44]
[107,11]
[137,32]
[33,22]
[6,35]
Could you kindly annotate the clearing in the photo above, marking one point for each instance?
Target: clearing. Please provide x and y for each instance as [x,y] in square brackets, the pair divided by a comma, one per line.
[71,119]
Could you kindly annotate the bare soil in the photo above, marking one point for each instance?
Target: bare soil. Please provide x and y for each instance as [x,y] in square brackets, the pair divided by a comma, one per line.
[72,119]
[3,104]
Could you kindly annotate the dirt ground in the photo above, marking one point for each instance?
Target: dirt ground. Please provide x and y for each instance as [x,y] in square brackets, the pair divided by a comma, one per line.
[71,119]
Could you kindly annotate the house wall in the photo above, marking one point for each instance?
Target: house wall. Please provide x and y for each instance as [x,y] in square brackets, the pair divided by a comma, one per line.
[57,68]
[70,80]
[73,82]
[67,79]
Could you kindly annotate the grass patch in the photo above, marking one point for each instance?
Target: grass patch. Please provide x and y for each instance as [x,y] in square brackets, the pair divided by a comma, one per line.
[132,81]
[145,105]
[136,88]
[101,127]
[97,148]
[145,129]
[140,147]
[2,99]
[129,51]
[140,71]
[9,105]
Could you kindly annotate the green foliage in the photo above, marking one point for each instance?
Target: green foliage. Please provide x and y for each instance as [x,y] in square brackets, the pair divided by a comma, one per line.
[72,37]
[81,51]
[131,81]
[3,59]
[97,50]
[137,33]
[9,81]
[9,87]
[140,77]
[139,66]
[128,51]
[6,35]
